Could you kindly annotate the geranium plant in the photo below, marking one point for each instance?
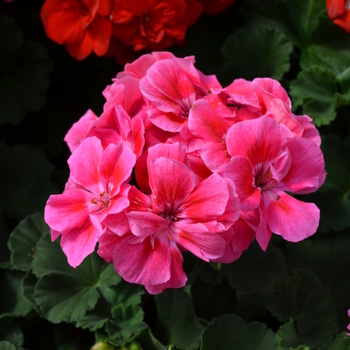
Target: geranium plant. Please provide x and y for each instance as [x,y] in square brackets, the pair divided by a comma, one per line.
[195,198]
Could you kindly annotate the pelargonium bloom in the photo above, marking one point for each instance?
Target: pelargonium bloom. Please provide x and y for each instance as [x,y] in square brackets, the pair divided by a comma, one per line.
[95,190]
[179,214]
[265,164]
[339,12]
[153,24]
[81,25]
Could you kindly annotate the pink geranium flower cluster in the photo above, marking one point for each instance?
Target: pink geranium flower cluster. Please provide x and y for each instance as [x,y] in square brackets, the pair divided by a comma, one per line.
[213,168]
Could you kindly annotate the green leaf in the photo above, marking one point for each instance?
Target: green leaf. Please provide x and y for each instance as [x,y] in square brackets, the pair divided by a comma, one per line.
[257,52]
[305,301]
[126,324]
[5,345]
[211,301]
[28,284]
[19,197]
[12,301]
[123,294]
[175,323]
[288,337]
[65,293]
[148,341]
[231,332]
[25,66]
[23,240]
[315,88]
[257,271]
[328,257]
[341,342]
[298,19]
[10,332]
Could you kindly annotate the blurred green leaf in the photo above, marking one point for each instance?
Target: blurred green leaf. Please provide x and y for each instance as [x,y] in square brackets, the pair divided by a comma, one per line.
[231,332]
[328,257]
[175,323]
[341,342]
[211,301]
[315,90]
[65,293]
[257,271]
[12,301]
[25,170]
[24,69]
[304,300]
[299,19]
[257,52]
[5,345]
[23,240]
[288,337]
[10,332]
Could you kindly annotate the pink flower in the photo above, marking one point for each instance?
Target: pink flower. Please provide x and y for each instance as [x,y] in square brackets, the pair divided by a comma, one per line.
[96,189]
[179,214]
[264,164]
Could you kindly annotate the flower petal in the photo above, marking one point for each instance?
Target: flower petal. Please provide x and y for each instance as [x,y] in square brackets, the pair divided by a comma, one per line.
[292,219]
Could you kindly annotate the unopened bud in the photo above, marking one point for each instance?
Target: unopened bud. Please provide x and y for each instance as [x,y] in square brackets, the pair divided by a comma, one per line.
[134,345]
[102,346]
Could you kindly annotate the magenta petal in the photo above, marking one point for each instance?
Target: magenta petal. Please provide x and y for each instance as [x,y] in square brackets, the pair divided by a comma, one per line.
[263,232]
[143,263]
[171,183]
[145,224]
[307,165]
[139,201]
[78,243]
[205,123]
[174,151]
[292,219]
[117,223]
[198,240]
[107,242]
[231,213]
[174,87]
[83,164]
[166,121]
[116,166]
[178,277]
[63,212]
[260,140]
[310,130]
[138,132]
[79,130]
[207,201]
[282,115]
[241,172]
[215,156]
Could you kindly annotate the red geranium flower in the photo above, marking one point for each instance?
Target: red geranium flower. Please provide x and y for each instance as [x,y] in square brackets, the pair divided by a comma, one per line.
[78,24]
[339,12]
[153,24]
